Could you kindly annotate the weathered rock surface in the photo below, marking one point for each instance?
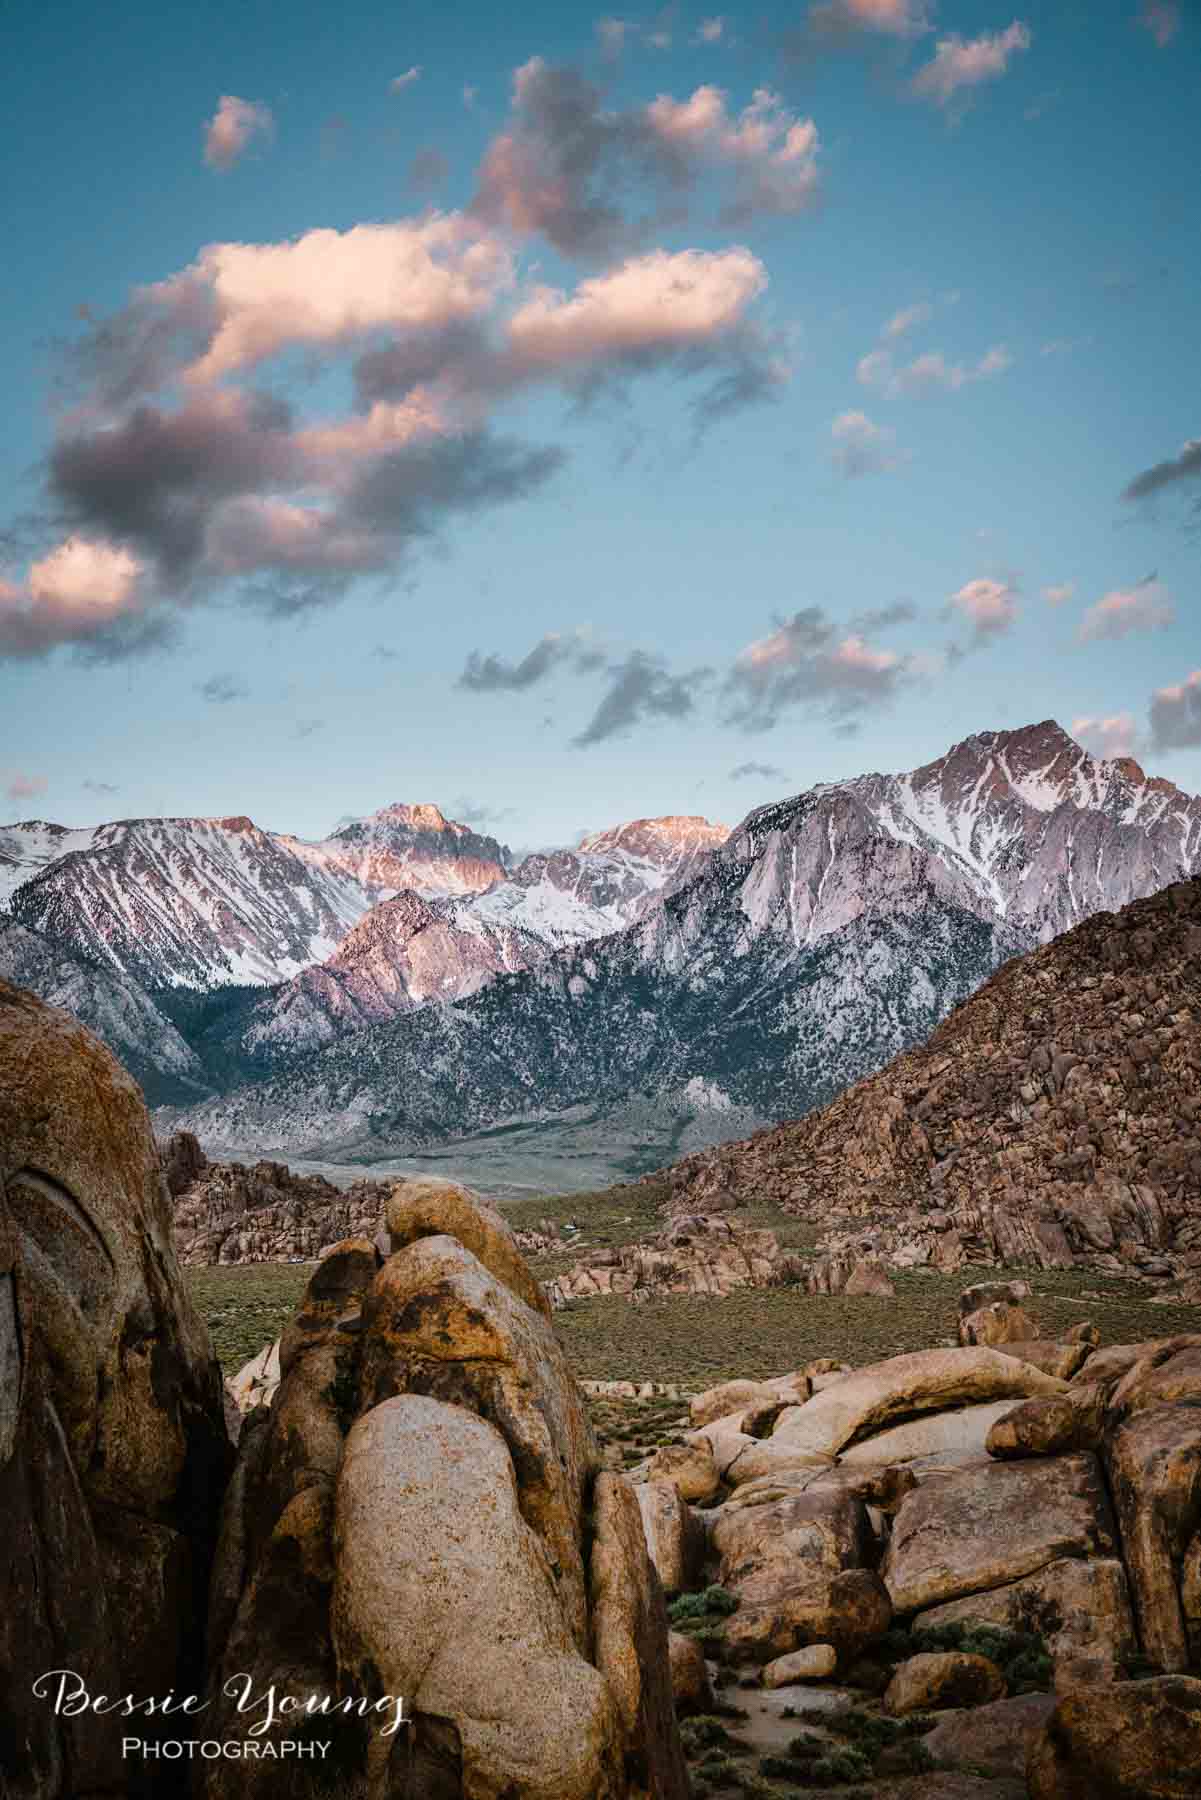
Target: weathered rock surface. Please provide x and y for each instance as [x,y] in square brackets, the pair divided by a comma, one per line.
[1135,1740]
[694,1255]
[1080,1608]
[994,1739]
[1052,1119]
[938,1678]
[422,1207]
[992,1524]
[923,1381]
[113,1450]
[227,1213]
[1154,1465]
[420,1512]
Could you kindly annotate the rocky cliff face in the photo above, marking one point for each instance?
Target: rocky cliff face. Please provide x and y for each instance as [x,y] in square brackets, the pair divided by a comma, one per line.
[1053,1118]
[412,847]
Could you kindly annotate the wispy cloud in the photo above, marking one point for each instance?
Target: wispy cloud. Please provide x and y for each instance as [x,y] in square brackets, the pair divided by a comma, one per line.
[490,674]
[232,129]
[929,372]
[1127,611]
[710,31]
[961,64]
[862,447]
[1176,715]
[756,771]
[478,812]
[809,661]
[20,786]
[641,688]
[1059,593]
[222,690]
[1109,737]
[399,83]
[1161,18]
[1175,471]
[101,787]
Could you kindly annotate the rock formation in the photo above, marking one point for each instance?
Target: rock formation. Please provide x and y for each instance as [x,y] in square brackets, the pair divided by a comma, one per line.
[112,1442]
[694,1255]
[1053,1119]
[421,1511]
[228,1213]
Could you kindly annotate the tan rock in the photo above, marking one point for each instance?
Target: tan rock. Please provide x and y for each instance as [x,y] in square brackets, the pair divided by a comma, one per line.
[443,1594]
[796,1567]
[730,1397]
[922,1381]
[940,1678]
[989,1525]
[1136,1740]
[1162,1378]
[726,1440]
[1116,1360]
[1154,1464]
[689,1467]
[332,1300]
[675,1537]
[1000,1323]
[113,1447]
[423,1207]
[437,1322]
[1050,1425]
[690,1687]
[816,1662]
[869,1278]
[1064,1360]
[1080,1608]
[630,1637]
[964,1428]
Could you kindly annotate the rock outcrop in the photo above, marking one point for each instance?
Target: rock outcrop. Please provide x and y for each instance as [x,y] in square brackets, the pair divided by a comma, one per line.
[113,1451]
[694,1255]
[228,1213]
[421,1512]
[1054,1119]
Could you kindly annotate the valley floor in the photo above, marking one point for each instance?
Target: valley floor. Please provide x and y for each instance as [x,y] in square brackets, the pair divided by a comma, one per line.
[694,1341]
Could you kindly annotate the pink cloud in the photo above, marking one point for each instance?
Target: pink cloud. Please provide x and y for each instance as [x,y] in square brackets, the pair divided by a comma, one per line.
[904,321]
[76,591]
[1162,19]
[929,371]
[1113,737]
[231,129]
[893,18]
[1058,595]
[1125,611]
[254,532]
[710,31]
[775,152]
[399,83]
[655,301]
[19,786]
[960,63]
[990,605]
[328,287]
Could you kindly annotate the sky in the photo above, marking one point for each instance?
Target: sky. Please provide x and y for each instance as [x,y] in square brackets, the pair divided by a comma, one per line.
[564,417]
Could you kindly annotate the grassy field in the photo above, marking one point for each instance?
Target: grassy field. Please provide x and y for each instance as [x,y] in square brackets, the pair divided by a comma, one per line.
[695,1340]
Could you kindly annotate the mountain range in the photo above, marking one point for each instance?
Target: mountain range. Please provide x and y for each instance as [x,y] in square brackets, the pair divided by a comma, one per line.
[403,982]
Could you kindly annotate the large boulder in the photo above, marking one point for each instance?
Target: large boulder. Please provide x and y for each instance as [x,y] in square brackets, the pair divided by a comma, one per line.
[425,1207]
[1080,1608]
[419,1513]
[113,1451]
[1154,1465]
[994,1523]
[445,1595]
[943,1678]
[800,1569]
[1135,1740]
[920,1382]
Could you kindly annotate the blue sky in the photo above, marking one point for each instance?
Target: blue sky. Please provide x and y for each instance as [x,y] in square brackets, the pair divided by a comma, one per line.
[670,395]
